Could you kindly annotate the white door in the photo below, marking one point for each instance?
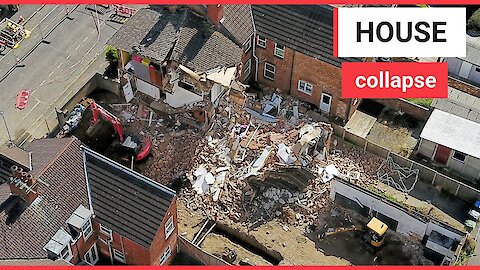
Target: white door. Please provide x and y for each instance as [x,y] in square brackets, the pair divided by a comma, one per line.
[465,70]
[91,256]
[325,102]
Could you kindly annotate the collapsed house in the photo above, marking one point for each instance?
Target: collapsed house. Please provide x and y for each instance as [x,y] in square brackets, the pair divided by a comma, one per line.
[181,60]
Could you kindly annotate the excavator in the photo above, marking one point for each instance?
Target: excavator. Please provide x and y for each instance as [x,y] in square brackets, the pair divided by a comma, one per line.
[374,235]
[141,149]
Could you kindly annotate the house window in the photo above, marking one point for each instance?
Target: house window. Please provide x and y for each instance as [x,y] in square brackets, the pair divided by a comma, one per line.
[66,253]
[305,87]
[247,69]
[269,71]
[279,50]
[262,42]
[119,256]
[459,156]
[186,85]
[169,227]
[87,229]
[91,257]
[105,231]
[247,45]
[166,254]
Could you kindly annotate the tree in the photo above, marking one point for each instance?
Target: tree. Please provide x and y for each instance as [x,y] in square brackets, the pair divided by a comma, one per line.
[474,21]
[111,55]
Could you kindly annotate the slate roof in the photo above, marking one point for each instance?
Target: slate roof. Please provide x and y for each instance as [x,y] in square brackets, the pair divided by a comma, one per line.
[304,28]
[194,42]
[459,103]
[124,200]
[34,262]
[238,21]
[66,190]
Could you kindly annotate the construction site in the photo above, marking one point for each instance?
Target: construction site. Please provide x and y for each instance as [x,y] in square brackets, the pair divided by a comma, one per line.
[254,179]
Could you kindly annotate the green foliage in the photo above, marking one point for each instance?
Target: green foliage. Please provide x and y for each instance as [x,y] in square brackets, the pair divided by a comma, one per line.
[474,21]
[111,54]
[467,251]
[424,102]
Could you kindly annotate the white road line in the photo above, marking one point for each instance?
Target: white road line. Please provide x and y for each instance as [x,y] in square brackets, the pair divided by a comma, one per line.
[60,65]
[54,19]
[77,47]
[35,36]
[85,40]
[31,110]
[43,82]
[51,74]
[9,62]
[94,30]
[68,56]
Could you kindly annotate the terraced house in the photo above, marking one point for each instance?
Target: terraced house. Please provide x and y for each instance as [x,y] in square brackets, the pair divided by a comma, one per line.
[62,201]
[293,53]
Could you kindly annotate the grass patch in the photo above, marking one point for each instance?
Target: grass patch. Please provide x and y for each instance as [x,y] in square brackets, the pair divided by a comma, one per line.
[425,102]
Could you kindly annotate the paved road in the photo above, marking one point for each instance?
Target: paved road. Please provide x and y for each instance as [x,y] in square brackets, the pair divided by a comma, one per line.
[49,69]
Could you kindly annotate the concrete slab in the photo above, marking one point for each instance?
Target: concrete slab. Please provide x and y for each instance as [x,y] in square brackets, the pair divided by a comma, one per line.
[360,124]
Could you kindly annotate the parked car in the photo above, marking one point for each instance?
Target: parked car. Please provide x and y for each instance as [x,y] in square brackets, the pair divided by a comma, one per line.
[474,213]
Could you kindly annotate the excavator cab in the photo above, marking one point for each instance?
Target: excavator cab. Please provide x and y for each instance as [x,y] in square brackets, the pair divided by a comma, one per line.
[375,235]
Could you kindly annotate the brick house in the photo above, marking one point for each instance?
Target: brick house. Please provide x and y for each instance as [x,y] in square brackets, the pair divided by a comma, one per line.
[185,56]
[135,217]
[49,208]
[293,53]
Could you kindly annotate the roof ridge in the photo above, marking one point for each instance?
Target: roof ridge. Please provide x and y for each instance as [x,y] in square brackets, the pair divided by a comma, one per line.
[55,158]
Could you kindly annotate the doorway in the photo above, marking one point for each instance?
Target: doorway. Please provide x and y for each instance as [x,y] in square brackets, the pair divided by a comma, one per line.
[325,102]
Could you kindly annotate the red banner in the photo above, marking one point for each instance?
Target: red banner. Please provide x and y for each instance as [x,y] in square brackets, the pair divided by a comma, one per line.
[394,80]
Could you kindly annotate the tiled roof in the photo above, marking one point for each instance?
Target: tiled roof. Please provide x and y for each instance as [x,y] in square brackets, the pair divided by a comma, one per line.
[306,29]
[124,200]
[34,262]
[45,152]
[195,42]
[238,21]
[60,192]
[155,30]
[200,47]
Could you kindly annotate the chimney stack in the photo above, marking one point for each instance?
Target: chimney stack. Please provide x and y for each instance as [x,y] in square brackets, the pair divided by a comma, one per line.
[215,14]
[23,184]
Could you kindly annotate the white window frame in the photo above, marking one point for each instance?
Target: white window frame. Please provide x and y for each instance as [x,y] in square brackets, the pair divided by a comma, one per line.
[262,42]
[69,253]
[92,250]
[247,45]
[169,227]
[277,49]
[166,254]
[247,69]
[459,160]
[265,71]
[118,255]
[106,231]
[304,88]
[90,232]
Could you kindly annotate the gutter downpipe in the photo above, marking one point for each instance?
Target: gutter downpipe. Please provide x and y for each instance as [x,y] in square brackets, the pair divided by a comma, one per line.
[254,47]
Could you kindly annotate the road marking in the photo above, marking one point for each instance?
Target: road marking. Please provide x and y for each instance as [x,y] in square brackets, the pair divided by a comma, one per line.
[35,36]
[54,19]
[94,30]
[31,110]
[85,40]
[68,56]
[60,65]
[43,82]
[77,47]
[9,62]
[51,74]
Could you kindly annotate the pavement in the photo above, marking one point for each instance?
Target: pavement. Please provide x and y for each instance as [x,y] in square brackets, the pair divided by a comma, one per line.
[50,70]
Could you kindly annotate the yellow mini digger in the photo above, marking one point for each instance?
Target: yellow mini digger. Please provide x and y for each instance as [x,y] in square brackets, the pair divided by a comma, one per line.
[374,234]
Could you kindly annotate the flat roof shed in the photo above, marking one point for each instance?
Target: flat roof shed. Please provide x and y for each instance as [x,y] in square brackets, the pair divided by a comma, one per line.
[454,132]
